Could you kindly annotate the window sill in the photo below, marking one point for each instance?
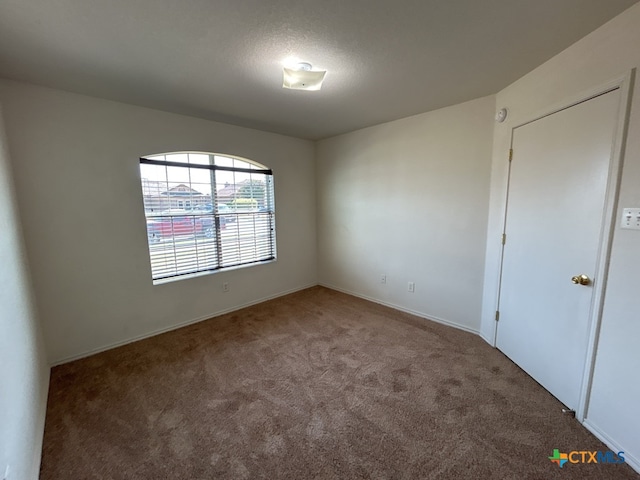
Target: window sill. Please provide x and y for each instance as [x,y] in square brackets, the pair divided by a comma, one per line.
[187,276]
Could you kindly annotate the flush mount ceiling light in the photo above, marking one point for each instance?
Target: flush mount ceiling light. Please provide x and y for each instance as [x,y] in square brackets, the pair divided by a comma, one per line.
[302,77]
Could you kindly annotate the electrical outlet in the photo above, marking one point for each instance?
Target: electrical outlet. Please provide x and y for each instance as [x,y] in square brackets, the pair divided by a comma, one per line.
[383,278]
[225,286]
[631,218]
[411,287]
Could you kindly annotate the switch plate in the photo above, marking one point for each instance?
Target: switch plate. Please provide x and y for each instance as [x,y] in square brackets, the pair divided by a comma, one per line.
[225,287]
[631,218]
[383,278]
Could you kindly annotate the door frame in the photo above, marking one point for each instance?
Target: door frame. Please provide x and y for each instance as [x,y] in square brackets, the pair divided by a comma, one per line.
[624,84]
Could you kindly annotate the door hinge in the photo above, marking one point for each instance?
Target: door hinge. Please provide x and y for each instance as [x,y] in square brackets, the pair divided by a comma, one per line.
[504,238]
[497,315]
[510,154]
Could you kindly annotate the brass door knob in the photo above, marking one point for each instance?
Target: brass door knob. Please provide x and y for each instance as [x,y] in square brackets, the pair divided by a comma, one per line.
[581,280]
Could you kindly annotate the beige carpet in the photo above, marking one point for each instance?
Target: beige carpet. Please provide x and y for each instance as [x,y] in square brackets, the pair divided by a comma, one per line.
[314,385]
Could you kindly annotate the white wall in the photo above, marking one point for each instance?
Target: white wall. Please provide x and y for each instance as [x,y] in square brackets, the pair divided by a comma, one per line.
[76,169]
[610,51]
[409,199]
[24,373]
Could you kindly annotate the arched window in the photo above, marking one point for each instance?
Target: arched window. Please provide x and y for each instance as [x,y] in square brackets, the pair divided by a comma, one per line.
[205,212]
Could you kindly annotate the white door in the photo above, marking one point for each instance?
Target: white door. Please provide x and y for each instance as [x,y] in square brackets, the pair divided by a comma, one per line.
[555,216]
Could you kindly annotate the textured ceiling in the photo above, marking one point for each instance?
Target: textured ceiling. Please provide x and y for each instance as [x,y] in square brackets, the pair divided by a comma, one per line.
[221,59]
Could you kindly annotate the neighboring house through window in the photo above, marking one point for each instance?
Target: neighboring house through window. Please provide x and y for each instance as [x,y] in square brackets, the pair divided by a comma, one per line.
[205,212]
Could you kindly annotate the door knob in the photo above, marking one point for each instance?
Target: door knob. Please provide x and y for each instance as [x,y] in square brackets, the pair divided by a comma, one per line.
[581,280]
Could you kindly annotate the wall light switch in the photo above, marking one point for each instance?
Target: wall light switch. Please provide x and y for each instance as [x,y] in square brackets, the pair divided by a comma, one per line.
[631,218]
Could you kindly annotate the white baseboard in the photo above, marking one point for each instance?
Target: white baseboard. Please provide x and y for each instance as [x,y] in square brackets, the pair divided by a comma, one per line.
[485,338]
[176,326]
[629,459]
[426,316]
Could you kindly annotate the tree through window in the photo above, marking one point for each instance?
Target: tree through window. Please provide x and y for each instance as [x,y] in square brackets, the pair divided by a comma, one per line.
[205,212]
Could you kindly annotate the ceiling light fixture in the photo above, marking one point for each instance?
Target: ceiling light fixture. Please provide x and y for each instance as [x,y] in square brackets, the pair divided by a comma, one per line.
[302,77]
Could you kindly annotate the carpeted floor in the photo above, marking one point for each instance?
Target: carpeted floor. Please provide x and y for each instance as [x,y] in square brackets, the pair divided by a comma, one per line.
[314,385]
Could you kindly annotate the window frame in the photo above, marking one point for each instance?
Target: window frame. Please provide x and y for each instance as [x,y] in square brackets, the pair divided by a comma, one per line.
[217,214]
